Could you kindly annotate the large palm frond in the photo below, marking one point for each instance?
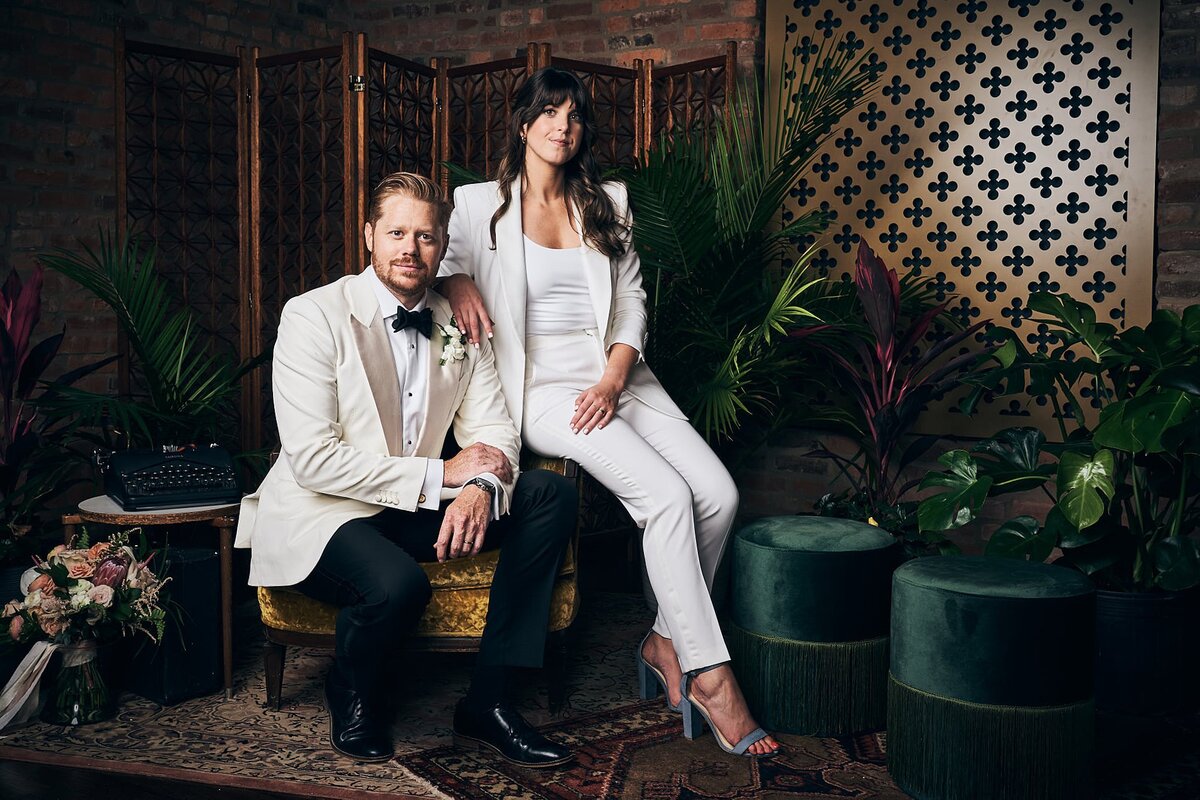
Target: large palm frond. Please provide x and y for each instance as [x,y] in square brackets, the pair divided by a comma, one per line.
[183,390]
[724,279]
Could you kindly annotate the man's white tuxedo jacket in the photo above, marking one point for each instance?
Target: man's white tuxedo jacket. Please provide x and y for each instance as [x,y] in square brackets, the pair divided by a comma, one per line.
[337,406]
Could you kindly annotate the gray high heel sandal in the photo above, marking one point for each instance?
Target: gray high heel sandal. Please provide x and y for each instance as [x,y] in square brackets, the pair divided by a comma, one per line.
[695,716]
[650,680]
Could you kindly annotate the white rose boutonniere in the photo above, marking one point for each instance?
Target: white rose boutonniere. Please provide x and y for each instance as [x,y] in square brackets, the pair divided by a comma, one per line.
[455,347]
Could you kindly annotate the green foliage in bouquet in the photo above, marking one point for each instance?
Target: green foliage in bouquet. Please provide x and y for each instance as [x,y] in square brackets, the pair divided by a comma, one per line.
[99,592]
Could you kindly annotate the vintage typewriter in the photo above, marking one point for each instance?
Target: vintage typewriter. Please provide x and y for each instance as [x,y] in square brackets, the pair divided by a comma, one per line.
[170,477]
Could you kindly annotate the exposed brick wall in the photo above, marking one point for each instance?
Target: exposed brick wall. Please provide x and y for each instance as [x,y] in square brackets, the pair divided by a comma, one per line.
[606,31]
[1178,264]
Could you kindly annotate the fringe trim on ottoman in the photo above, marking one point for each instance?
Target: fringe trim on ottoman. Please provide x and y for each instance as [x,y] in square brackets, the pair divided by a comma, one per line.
[812,688]
[949,749]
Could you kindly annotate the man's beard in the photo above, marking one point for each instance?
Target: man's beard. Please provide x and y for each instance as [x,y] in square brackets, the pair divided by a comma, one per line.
[393,283]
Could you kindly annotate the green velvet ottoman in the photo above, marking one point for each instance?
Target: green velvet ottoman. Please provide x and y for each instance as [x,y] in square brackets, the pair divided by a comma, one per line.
[990,692]
[809,636]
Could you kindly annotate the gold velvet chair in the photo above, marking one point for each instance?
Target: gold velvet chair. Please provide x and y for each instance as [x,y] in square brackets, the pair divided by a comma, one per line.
[453,621]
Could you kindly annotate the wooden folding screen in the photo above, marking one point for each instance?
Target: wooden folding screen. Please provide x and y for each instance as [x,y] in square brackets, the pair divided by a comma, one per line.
[689,97]
[250,174]
[177,165]
[479,97]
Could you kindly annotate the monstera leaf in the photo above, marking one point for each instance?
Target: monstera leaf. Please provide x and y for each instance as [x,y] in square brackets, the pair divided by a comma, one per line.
[1012,458]
[1137,425]
[1021,537]
[1177,562]
[966,491]
[1085,484]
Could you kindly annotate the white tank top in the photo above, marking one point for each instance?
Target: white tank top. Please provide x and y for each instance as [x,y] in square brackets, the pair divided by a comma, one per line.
[557,297]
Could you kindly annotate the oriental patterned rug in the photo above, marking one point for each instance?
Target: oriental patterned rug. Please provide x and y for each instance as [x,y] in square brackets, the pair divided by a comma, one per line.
[627,749]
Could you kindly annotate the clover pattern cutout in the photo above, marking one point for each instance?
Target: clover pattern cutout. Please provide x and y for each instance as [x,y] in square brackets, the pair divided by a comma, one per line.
[994,157]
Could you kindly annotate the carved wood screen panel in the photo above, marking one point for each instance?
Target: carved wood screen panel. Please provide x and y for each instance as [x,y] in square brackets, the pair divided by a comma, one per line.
[1010,150]
[614,91]
[480,96]
[301,197]
[401,125]
[255,201]
[690,97]
[178,146]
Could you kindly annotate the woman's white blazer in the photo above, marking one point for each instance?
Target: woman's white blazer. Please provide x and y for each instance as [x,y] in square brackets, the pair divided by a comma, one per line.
[615,286]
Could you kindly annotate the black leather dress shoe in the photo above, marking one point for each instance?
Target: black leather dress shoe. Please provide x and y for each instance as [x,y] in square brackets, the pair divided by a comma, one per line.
[353,731]
[504,732]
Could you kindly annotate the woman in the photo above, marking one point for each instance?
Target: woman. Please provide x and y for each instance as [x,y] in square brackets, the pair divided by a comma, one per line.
[546,251]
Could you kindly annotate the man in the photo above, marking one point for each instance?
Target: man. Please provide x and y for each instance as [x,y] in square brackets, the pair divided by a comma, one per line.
[369,375]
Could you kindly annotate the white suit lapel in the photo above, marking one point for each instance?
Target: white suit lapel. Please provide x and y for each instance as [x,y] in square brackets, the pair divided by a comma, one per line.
[510,249]
[375,351]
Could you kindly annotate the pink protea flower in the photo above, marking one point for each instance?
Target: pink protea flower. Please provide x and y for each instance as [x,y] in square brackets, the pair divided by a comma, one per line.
[110,572]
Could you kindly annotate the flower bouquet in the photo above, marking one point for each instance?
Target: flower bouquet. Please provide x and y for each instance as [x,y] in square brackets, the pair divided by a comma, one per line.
[78,596]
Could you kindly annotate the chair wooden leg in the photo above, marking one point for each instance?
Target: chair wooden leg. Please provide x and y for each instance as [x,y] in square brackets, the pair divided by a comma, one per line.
[273,655]
[557,656]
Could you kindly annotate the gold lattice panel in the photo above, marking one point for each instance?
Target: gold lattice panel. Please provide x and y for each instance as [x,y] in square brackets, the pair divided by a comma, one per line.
[1008,150]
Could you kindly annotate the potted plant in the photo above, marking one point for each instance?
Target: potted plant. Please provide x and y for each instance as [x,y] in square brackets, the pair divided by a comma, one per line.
[890,360]
[1122,487]
[81,596]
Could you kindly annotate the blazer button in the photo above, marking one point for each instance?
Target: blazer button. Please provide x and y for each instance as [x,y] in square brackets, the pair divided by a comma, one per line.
[421,498]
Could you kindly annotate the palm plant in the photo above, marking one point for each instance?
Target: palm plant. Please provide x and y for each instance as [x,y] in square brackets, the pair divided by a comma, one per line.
[182,392]
[725,281]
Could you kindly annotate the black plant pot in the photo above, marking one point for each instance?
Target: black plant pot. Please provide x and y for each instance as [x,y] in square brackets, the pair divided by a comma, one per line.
[1147,653]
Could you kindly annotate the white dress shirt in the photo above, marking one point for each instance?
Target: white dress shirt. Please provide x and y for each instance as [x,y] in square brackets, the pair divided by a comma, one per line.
[411,352]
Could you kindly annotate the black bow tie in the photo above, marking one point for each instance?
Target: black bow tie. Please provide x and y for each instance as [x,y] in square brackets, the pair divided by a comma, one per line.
[421,320]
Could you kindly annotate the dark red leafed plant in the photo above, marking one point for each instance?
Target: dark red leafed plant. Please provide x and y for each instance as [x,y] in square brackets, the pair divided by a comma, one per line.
[32,466]
[890,372]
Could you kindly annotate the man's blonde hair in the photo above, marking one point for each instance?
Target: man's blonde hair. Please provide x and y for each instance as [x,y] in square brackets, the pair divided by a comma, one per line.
[409,184]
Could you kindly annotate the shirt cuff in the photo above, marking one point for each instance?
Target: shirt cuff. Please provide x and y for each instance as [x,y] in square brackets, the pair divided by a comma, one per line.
[431,489]
[627,340]
[494,481]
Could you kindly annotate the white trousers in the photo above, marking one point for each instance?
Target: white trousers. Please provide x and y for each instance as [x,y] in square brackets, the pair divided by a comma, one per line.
[661,470]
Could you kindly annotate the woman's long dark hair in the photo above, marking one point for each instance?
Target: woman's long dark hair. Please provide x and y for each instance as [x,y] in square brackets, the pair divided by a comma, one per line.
[551,87]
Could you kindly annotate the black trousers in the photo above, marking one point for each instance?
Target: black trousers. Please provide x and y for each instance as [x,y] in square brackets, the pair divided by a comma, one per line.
[370,568]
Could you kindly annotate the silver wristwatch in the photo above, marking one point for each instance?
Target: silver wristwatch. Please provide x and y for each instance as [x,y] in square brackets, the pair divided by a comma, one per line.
[483,483]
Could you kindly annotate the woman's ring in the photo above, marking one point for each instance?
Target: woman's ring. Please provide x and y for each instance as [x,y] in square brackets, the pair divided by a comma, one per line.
[603,410]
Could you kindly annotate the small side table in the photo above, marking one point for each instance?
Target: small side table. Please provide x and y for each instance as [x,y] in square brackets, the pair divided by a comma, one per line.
[104,509]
